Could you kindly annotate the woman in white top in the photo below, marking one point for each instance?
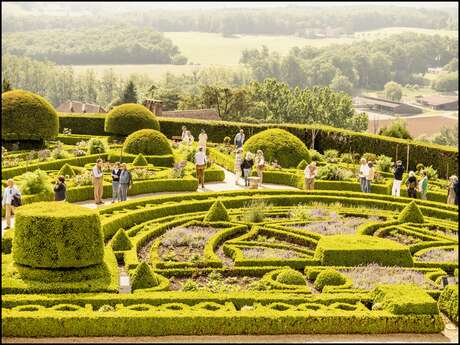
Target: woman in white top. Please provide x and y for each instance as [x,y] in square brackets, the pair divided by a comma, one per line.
[238,162]
[260,164]
[202,140]
[363,172]
[10,192]
[310,173]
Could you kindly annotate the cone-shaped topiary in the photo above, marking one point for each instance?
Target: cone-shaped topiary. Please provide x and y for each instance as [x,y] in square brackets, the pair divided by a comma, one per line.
[291,277]
[411,214]
[329,277]
[147,142]
[128,118]
[140,161]
[121,241]
[66,170]
[217,213]
[143,278]
[302,165]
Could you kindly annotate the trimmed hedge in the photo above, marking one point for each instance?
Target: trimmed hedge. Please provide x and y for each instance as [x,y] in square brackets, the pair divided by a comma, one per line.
[411,214]
[448,302]
[217,213]
[66,170]
[121,241]
[329,277]
[140,161]
[143,278]
[290,277]
[128,118]
[157,160]
[147,142]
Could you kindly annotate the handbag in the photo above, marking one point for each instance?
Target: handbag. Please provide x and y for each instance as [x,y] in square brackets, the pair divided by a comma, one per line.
[16,201]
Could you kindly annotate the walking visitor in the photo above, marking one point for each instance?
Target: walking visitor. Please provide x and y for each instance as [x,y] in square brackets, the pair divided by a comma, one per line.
[188,138]
[98,179]
[363,171]
[200,165]
[60,189]
[398,172]
[260,165]
[246,166]
[238,162]
[116,171]
[125,182]
[423,185]
[202,140]
[412,185]
[451,194]
[11,200]
[239,139]
[310,173]
[370,176]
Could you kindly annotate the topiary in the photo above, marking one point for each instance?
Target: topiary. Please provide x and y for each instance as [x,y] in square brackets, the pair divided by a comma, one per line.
[148,142]
[217,213]
[57,235]
[411,214]
[27,116]
[121,241]
[329,277]
[96,145]
[302,165]
[143,278]
[290,277]
[140,161]
[280,145]
[66,170]
[128,118]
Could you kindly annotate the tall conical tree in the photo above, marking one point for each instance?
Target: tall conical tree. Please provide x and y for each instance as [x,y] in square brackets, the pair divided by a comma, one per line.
[129,93]
[217,213]
[411,214]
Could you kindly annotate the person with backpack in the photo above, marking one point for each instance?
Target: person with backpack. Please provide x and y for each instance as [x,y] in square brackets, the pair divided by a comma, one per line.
[246,166]
[412,185]
[125,182]
[98,180]
[398,172]
[60,189]
[116,171]
[11,200]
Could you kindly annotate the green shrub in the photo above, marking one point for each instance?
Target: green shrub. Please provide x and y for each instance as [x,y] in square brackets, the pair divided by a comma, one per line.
[279,145]
[448,302]
[370,157]
[329,277]
[27,116]
[66,170]
[383,163]
[331,156]
[36,182]
[143,278]
[57,235]
[59,152]
[332,172]
[128,118]
[227,140]
[347,158]
[431,173]
[316,156]
[302,165]
[254,211]
[217,213]
[290,277]
[419,167]
[96,145]
[140,161]
[121,241]
[148,142]
[411,214]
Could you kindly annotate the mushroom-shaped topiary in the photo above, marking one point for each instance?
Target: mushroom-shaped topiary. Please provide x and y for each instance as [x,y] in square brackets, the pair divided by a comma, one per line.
[148,142]
[57,235]
[217,213]
[27,116]
[140,161]
[290,277]
[279,145]
[128,118]
[329,277]
[121,241]
[411,214]
[302,165]
[66,170]
[143,277]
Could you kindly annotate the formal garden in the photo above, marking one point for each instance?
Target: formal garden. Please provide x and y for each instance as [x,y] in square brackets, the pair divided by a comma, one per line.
[332,260]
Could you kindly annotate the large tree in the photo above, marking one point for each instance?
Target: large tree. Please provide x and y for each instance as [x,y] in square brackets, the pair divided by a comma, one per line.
[129,94]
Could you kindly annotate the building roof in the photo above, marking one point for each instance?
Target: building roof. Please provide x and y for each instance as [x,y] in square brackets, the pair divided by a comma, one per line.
[438,99]
[199,114]
[379,101]
[79,107]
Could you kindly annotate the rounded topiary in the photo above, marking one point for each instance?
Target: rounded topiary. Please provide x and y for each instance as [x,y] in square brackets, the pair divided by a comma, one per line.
[291,277]
[140,161]
[148,142]
[279,145]
[66,170]
[329,277]
[128,118]
[217,213]
[411,214]
[121,241]
[143,278]
[57,235]
[302,165]
[27,116]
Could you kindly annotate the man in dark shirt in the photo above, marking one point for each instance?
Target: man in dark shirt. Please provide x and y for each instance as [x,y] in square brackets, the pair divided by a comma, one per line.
[457,192]
[116,171]
[60,189]
[398,176]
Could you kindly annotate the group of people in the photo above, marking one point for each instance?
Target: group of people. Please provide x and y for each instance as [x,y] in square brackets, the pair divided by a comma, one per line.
[188,139]
[122,180]
[243,166]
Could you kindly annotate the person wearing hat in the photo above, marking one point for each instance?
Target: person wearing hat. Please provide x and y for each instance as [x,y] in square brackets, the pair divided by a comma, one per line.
[398,172]
[238,162]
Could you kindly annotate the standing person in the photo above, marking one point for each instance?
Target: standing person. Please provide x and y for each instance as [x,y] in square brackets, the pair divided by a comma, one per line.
[11,195]
[189,138]
[412,185]
[238,162]
[116,171]
[202,140]
[451,195]
[98,179]
[125,182]
[310,173]
[184,133]
[60,189]
[260,164]
[370,176]
[363,171]
[398,172]
[200,165]
[246,166]
[239,139]
[457,192]
[424,185]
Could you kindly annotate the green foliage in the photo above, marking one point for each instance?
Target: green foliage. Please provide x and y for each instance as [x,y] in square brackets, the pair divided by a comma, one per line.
[279,145]
[254,211]
[36,182]
[397,129]
[96,145]
[411,214]
[129,94]
[57,235]
[217,213]
[383,163]
[147,142]
[393,91]
[227,140]
[370,157]
[333,173]
[143,278]
[431,173]
[445,82]
[329,277]
[347,158]
[447,136]
[302,165]
[27,116]
[290,277]
[66,170]
[331,156]
[6,85]
[448,302]
[316,156]
[121,241]
[128,118]
[140,161]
